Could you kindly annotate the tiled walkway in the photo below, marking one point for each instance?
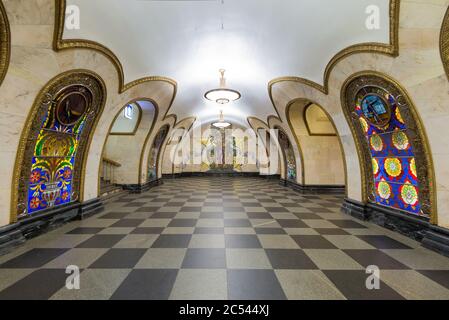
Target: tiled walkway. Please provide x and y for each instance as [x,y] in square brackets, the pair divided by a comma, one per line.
[232,238]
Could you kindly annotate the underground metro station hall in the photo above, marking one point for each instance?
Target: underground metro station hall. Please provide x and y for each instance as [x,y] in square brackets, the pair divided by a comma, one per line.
[224,150]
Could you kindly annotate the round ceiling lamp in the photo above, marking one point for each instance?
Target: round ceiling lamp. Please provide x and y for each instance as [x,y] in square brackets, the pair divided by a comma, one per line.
[221,124]
[222,95]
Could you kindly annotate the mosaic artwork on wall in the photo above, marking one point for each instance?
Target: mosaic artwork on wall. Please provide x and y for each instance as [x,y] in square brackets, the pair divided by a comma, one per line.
[155,152]
[289,154]
[57,142]
[397,173]
[222,152]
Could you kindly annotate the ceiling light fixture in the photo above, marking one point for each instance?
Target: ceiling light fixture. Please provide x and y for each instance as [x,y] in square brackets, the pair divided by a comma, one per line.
[222,95]
[221,124]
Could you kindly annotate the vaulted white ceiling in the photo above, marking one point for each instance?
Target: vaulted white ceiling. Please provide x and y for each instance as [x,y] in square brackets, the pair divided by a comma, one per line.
[254,40]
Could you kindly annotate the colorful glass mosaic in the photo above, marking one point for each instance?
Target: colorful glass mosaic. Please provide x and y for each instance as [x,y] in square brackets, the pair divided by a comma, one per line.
[53,161]
[396,182]
[155,151]
[290,159]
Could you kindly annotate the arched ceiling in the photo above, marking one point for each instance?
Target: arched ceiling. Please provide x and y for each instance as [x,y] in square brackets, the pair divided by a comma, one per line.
[254,40]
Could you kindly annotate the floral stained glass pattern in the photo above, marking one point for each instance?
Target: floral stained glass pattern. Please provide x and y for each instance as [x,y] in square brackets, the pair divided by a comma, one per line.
[155,151]
[396,183]
[290,159]
[54,159]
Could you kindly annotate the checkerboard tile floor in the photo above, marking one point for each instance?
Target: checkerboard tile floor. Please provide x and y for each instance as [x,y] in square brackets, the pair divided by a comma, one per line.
[223,238]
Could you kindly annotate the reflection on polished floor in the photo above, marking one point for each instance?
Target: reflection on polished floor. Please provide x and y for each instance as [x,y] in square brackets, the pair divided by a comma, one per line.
[223,238]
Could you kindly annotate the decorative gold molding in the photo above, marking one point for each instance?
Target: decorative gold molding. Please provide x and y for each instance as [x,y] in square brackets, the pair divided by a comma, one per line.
[425,153]
[391,49]
[136,127]
[24,137]
[61,44]
[156,115]
[5,42]
[444,42]
[306,122]
[308,102]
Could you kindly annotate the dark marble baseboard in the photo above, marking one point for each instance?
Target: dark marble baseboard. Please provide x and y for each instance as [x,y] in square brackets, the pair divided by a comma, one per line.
[210,174]
[139,188]
[313,189]
[419,229]
[19,232]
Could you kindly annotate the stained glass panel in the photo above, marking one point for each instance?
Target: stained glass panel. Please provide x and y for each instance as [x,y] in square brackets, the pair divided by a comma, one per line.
[396,182]
[155,151]
[290,159]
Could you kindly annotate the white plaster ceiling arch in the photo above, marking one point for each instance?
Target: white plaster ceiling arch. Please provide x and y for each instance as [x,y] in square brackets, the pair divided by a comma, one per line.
[254,40]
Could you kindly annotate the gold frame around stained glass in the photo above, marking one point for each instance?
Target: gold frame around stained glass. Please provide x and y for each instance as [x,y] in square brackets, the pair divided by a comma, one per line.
[423,154]
[5,42]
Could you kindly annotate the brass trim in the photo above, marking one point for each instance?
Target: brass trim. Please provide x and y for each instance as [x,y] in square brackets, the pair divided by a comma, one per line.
[391,49]
[62,44]
[5,42]
[20,155]
[309,131]
[156,115]
[292,128]
[444,43]
[420,131]
[136,127]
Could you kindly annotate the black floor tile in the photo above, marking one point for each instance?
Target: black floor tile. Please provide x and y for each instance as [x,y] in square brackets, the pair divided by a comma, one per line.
[118,259]
[182,223]
[148,209]
[127,223]
[205,230]
[163,215]
[35,258]
[84,230]
[134,204]
[348,224]
[352,284]
[384,242]
[115,215]
[172,241]
[276,209]
[290,259]
[242,241]
[148,230]
[331,231]
[375,257]
[313,242]
[101,241]
[292,223]
[191,209]
[439,276]
[205,259]
[237,223]
[254,285]
[270,231]
[39,285]
[307,216]
[148,284]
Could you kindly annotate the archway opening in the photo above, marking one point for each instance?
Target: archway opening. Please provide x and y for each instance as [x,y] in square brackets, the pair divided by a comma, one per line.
[317,138]
[122,150]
